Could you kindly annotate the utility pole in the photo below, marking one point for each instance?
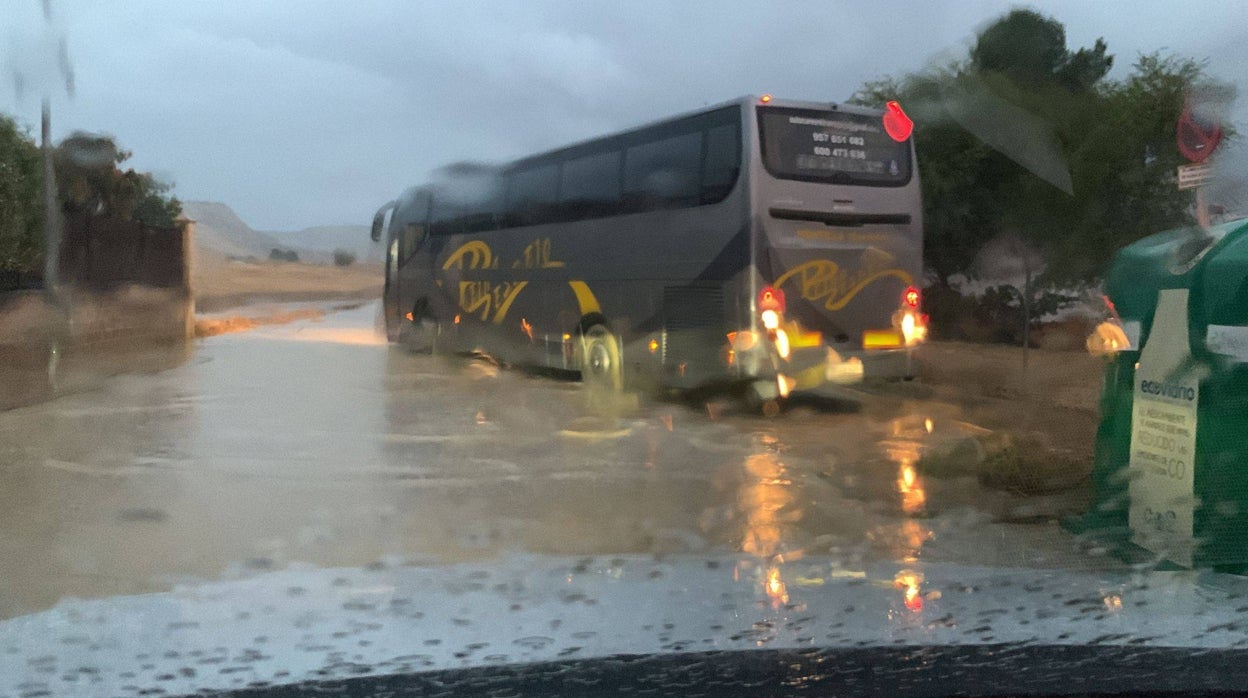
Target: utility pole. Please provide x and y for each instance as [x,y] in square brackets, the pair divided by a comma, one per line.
[51,224]
[51,217]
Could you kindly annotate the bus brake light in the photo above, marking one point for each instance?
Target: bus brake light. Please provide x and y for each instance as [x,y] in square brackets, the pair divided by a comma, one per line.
[770,298]
[912,297]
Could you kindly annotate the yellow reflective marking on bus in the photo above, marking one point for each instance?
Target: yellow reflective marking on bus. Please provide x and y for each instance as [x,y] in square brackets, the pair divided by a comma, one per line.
[846,236]
[881,339]
[585,298]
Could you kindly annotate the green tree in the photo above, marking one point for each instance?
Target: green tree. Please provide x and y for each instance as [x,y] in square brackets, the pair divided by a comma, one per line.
[1125,164]
[1029,49]
[21,213]
[1027,137]
[1025,46]
[153,206]
[958,171]
[91,181]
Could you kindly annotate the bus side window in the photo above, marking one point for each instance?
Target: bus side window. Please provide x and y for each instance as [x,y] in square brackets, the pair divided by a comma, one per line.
[590,187]
[445,218]
[482,214]
[663,174]
[532,195]
[411,237]
[409,226]
[723,162]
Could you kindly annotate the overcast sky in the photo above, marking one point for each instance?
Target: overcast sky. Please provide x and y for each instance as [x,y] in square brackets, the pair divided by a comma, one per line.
[309,113]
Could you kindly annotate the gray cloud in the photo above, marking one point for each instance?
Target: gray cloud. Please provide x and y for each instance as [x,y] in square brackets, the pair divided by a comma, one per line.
[316,112]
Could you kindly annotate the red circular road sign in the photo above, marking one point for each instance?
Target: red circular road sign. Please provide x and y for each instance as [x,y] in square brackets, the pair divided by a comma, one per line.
[1197,138]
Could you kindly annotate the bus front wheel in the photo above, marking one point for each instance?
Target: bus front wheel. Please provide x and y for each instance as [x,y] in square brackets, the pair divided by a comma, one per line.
[601,368]
[389,320]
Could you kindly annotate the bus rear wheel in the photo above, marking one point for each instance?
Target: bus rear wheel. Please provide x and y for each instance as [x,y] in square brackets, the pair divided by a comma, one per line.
[602,371]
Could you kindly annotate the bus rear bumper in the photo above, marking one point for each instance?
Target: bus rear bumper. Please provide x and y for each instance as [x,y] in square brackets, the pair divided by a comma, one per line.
[889,364]
[812,368]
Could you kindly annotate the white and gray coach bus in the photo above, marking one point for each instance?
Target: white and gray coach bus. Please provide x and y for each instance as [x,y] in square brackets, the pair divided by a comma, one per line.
[763,244]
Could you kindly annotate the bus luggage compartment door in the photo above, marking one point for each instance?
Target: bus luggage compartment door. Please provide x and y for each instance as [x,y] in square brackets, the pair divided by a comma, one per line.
[694,335]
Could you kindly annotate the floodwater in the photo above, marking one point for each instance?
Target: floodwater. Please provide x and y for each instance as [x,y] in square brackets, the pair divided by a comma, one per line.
[314,442]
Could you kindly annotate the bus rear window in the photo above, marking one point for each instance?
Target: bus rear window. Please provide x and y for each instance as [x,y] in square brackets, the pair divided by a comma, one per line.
[828,146]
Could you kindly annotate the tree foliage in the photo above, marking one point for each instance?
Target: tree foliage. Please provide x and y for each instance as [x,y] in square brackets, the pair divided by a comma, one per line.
[21,210]
[1030,50]
[1027,137]
[90,180]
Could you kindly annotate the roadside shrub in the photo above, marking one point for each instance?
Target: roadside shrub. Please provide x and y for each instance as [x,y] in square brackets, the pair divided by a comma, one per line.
[343,258]
[994,317]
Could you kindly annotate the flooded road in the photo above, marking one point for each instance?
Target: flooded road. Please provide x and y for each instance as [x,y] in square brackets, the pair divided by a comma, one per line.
[315,442]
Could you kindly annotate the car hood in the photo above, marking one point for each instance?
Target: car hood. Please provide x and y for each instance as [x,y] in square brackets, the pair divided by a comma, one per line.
[405,617]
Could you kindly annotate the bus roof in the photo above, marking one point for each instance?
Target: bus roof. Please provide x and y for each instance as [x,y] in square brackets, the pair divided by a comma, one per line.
[833,106]
[743,101]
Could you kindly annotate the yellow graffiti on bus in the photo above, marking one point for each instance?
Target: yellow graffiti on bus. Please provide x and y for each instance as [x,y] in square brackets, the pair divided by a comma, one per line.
[823,280]
[537,256]
[492,299]
[484,296]
[473,254]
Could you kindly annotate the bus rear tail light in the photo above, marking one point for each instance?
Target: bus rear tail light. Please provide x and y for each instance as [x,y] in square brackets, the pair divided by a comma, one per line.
[913,327]
[908,326]
[771,312]
[771,298]
[908,321]
[782,343]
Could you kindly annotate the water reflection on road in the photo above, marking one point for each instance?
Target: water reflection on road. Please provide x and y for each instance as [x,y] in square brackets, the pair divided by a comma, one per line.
[314,442]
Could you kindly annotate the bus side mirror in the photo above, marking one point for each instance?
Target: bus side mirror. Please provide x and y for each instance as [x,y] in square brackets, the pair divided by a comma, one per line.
[379,220]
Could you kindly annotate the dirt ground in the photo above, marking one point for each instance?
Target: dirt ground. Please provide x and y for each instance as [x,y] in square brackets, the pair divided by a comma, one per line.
[222,284]
[1054,397]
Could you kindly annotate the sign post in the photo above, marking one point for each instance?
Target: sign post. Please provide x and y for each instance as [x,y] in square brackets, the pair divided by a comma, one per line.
[1198,134]
[1195,176]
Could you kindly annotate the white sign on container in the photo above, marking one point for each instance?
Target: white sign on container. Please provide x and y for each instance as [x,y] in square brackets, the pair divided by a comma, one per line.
[1163,436]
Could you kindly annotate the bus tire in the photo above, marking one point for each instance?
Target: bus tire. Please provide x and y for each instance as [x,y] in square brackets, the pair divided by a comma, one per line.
[386,326]
[602,369]
[389,320]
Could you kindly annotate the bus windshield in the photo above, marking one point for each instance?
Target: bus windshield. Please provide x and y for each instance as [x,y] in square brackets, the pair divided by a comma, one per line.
[827,146]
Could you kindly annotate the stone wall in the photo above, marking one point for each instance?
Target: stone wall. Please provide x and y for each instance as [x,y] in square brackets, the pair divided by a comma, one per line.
[126,291]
